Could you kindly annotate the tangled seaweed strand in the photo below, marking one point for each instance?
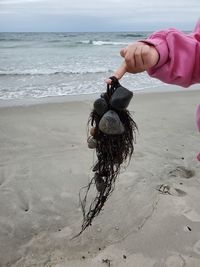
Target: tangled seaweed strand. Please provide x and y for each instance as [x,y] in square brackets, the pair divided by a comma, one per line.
[111,151]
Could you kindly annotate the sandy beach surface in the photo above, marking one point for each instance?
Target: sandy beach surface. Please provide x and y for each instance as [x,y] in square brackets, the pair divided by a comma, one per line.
[152,218]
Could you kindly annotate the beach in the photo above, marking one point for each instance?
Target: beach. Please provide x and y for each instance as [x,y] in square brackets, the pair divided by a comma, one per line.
[152,219]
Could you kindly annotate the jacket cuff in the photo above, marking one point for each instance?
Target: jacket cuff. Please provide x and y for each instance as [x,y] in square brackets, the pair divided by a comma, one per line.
[161,47]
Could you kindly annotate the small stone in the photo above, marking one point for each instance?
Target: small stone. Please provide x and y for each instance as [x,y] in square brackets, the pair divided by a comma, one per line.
[110,123]
[92,131]
[98,229]
[99,182]
[92,143]
[116,228]
[100,106]
[164,189]
[124,256]
[121,98]
[106,261]
[182,158]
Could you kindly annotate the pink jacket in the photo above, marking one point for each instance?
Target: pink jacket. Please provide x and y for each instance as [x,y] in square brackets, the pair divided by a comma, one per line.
[179,61]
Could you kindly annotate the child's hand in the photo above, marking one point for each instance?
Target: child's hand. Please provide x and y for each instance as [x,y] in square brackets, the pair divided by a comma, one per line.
[138,57]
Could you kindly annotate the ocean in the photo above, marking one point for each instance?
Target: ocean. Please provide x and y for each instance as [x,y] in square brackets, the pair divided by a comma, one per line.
[37,65]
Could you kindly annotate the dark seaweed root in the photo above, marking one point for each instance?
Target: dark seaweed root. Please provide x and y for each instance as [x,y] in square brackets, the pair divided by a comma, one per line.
[112,151]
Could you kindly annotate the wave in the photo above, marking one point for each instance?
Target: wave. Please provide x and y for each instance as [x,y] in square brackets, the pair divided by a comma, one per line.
[91,42]
[55,41]
[50,72]
[63,43]
[132,35]
[14,46]
[10,39]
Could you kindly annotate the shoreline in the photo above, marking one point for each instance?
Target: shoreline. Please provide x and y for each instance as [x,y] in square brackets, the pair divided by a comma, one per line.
[90,96]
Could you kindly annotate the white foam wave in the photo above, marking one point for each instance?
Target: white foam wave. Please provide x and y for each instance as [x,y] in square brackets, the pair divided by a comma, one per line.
[53,72]
[102,42]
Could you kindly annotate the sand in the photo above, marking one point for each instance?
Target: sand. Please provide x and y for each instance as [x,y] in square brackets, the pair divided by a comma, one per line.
[152,218]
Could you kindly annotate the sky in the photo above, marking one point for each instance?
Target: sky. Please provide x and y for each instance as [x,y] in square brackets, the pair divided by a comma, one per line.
[102,15]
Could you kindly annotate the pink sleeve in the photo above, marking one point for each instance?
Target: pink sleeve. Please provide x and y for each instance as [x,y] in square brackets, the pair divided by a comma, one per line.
[179,61]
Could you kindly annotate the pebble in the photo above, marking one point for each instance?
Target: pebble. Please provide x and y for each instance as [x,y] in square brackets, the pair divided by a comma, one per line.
[100,184]
[110,123]
[92,131]
[100,106]
[92,143]
[121,98]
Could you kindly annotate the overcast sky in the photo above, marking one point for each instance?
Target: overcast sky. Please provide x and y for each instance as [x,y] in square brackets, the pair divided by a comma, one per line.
[102,15]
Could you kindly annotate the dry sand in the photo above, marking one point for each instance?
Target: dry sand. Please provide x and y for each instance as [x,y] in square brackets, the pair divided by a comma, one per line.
[152,218]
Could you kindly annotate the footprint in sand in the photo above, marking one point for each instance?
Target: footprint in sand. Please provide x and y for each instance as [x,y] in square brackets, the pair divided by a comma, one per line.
[6,228]
[175,261]
[169,190]
[181,171]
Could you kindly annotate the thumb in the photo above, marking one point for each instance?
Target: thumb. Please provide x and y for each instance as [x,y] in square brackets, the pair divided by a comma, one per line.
[119,73]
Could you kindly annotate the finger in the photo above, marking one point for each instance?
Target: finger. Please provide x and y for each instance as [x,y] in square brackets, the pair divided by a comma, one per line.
[145,55]
[139,64]
[123,52]
[121,71]
[129,59]
[118,73]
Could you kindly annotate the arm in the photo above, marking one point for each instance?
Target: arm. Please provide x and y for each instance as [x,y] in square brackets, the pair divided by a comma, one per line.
[179,61]
[170,55]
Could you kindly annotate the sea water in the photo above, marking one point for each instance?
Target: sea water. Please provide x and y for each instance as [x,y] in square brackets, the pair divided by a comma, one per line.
[37,65]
